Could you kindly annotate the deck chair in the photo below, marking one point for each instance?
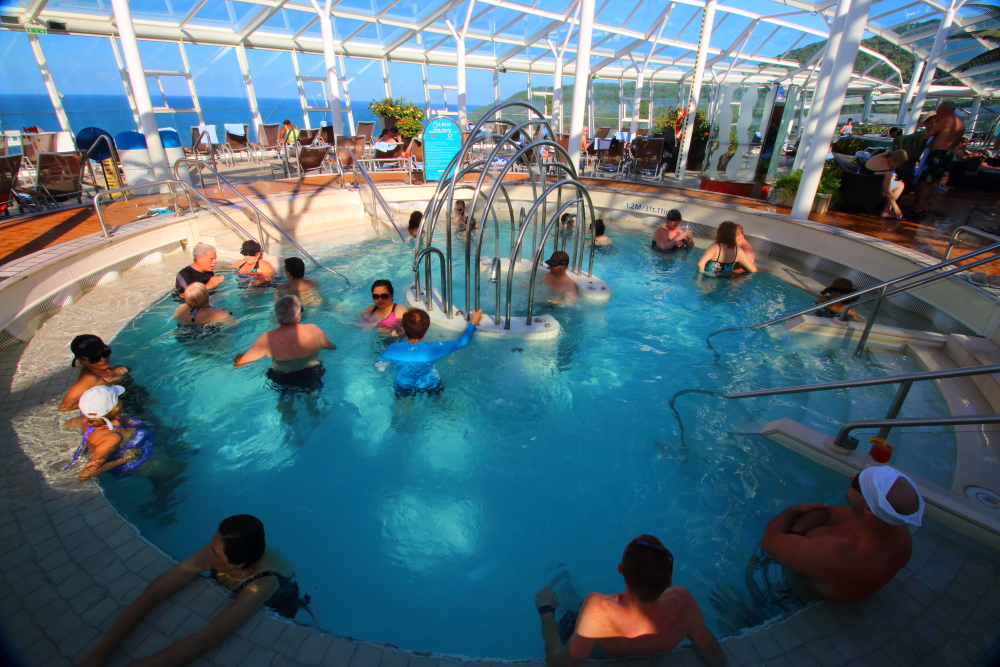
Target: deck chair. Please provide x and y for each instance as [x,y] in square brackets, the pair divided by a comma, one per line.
[33,144]
[238,144]
[268,139]
[307,137]
[9,166]
[327,136]
[58,178]
[602,133]
[646,153]
[305,159]
[346,146]
[610,159]
[366,129]
[201,145]
[642,132]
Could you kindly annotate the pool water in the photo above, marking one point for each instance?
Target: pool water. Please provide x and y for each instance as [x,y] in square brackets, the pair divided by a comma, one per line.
[431,524]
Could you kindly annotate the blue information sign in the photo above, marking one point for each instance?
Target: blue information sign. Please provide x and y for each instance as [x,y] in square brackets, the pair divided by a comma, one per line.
[442,142]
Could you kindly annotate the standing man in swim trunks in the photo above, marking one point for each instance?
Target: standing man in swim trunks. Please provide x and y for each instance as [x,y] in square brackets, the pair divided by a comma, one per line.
[201,270]
[946,132]
[847,553]
[651,616]
[669,237]
[293,348]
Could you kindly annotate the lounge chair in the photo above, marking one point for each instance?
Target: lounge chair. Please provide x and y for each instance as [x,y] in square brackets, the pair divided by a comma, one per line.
[346,146]
[602,133]
[307,159]
[268,137]
[642,132]
[366,129]
[307,137]
[327,136]
[9,166]
[646,154]
[58,178]
[238,143]
[202,143]
[34,143]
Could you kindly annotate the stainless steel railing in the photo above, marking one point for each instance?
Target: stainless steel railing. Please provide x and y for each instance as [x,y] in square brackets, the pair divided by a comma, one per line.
[971,231]
[905,381]
[377,197]
[106,140]
[878,292]
[844,440]
[223,180]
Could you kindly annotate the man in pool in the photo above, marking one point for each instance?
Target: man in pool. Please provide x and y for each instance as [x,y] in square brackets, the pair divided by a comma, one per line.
[293,348]
[651,616]
[847,553]
[556,279]
[201,270]
[414,359]
[298,285]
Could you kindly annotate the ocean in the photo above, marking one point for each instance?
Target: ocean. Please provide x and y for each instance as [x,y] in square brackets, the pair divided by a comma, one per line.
[111,113]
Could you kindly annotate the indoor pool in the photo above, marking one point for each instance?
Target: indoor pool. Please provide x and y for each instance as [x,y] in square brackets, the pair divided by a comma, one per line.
[430,525]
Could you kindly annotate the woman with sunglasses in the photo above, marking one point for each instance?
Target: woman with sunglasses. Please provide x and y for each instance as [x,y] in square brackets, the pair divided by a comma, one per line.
[384,313]
[94,359]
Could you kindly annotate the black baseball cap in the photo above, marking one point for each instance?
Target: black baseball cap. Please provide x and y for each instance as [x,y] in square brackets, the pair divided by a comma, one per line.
[250,248]
[558,258]
[88,346]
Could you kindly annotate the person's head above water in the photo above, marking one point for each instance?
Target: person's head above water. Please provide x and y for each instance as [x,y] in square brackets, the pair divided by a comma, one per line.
[888,494]
[599,227]
[558,261]
[89,350]
[381,292]
[295,267]
[648,568]
[196,295]
[238,542]
[204,257]
[416,322]
[414,224]
[726,234]
[100,404]
[250,249]
[288,309]
[673,218]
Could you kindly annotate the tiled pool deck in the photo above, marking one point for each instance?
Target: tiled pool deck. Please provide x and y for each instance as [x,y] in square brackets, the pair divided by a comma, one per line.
[70,563]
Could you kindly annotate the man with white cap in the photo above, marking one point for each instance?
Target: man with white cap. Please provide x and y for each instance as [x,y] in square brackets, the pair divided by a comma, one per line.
[847,553]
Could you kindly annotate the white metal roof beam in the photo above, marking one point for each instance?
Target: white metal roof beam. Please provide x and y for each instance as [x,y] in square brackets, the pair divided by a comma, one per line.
[263,17]
[33,9]
[431,18]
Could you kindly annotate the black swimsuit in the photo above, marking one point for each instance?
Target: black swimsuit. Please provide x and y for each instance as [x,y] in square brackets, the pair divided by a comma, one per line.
[285,600]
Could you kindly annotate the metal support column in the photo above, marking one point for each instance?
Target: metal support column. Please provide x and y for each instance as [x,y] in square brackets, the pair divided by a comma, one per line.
[241,56]
[974,114]
[125,81]
[932,62]
[137,76]
[50,85]
[557,93]
[330,64]
[866,112]
[904,103]
[808,132]
[581,77]
[830,107]
[707,22]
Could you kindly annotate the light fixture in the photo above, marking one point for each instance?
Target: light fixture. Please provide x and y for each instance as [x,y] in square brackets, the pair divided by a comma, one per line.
[502,69]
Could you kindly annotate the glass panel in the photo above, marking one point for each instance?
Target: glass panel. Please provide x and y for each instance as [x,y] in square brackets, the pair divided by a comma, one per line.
[183,122]
[161,56]
[274,83]
[161,10]
[369,7]
[606,96]
[24,101]
[412,11]
[447,100]
[84,72]
[226,14]
[220,86]
[735,133]
[342,28]
[286,22]
[541,93]
[376,33]
[364,80]
[92,7]
[405,79]
[173,90]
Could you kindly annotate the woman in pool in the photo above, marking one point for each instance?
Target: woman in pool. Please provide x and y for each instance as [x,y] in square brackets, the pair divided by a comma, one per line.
[385,313]
[113,442]
[94,359]
[239,559]
[720,258]
[413,225]
[196,309]
[253,270]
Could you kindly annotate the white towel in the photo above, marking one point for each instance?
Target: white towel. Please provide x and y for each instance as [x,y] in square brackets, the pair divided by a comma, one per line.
[875,483]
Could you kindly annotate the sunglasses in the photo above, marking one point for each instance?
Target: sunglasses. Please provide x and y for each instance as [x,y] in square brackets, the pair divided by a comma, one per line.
[379,297]
[106,354]
[643,543]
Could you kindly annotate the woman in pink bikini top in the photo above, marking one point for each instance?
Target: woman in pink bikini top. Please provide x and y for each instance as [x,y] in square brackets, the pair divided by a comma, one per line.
[384,313]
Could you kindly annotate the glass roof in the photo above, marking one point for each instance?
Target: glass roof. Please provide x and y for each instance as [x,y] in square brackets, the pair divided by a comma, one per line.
[762,40]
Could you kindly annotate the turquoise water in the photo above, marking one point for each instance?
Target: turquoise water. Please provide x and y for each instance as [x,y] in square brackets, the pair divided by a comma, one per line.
[431,525]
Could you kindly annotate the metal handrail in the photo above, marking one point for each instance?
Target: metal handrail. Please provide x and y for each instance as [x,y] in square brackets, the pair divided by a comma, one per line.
[376,195]
[971,231]
[905,381]
[428,287]
[189,190]
[880,293]
[847,442]
[223,179]
[211,150]
[114,156]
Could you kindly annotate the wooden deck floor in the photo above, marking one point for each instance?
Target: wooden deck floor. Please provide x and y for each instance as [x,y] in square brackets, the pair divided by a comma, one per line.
[21,236]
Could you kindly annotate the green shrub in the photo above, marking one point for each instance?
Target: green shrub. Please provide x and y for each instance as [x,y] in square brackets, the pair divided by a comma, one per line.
[848,146]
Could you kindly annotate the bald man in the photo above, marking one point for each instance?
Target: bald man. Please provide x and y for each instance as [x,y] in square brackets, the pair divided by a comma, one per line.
[847,553]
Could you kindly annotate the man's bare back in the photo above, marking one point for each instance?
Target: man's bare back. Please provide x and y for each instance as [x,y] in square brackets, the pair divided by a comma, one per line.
[947,131]
[287,343]
[626,629]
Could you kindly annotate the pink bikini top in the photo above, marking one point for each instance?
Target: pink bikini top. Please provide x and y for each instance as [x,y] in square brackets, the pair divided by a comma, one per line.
[390,321]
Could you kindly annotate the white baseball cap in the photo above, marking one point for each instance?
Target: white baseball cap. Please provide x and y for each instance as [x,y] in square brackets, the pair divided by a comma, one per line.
[96,402]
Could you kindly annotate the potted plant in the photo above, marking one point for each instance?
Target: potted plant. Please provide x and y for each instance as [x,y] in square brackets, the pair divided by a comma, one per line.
[390,111]
[786,186]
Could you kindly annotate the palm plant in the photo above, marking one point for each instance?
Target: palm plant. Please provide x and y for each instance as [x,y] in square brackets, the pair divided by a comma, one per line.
[990,36]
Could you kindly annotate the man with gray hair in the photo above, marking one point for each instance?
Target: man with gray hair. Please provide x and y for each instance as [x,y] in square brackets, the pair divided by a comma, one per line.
[201,270]
[293,348]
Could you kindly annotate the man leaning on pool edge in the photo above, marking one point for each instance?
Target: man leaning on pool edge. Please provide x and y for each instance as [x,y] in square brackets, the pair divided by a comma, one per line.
[651,616]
